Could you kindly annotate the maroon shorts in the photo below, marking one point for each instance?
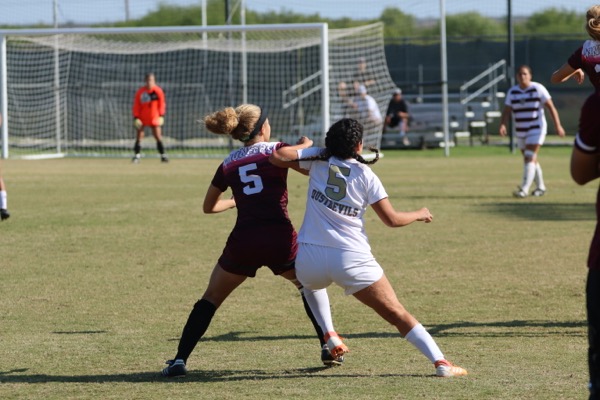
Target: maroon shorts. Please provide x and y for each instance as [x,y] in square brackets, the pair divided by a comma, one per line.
[247,250]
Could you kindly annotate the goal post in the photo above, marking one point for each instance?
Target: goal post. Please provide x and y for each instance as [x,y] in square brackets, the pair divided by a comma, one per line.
[69,92]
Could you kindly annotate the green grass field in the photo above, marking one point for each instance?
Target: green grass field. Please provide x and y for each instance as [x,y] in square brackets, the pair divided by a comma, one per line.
[102,260]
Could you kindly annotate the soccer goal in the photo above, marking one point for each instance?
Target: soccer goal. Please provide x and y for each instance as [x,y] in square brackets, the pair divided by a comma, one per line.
[69,92]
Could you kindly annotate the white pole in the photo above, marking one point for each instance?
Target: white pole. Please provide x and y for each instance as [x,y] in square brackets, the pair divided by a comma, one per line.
[4,96]
[204,23]
[57,81]
[444,66]
[244,55]
[325,79]
[126,10]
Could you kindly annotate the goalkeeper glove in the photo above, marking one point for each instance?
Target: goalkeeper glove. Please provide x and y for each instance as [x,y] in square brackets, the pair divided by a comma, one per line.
[161,120]
[137,123]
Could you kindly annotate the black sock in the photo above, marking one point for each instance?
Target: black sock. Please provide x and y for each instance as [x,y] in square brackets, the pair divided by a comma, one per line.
[194,329]
[313,320]
[137,147]
[160,147]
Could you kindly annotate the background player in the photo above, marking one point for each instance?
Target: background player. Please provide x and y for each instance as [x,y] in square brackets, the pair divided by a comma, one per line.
[4,214]
[526,102]
[149,108]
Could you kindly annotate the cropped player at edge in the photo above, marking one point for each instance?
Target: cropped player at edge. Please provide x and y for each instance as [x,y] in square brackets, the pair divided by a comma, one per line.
[585,167]
[149,108]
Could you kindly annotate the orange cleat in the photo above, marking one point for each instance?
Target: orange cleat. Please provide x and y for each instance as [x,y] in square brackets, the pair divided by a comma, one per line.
[337,348]
[445,369]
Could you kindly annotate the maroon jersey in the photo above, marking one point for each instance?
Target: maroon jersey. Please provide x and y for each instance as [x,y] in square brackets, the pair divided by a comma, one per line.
[587,58]
[263,233]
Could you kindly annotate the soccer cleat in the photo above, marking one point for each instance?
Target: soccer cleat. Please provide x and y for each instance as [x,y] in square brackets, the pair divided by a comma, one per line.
[175,369]
[335,345]
[538,192]
[330,360]
[164,159]
[136,159]
[4,214]
[519,193]
[445,369]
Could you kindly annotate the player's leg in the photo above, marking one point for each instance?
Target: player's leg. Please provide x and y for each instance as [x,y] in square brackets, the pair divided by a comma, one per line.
[381,297]
[316,301]
[529,165]
[4,214]
[137,147]
[534,143]
[593,314]
[528,169]
[220,286]
[157,132]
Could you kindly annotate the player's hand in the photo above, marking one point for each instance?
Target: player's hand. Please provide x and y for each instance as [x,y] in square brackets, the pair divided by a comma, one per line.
[425,215]
[502,130]
[579,76]
[305,141]
[161,120]
[138,123]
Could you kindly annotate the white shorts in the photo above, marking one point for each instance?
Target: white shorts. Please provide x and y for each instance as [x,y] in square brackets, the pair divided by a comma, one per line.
[319,266]
[537,138]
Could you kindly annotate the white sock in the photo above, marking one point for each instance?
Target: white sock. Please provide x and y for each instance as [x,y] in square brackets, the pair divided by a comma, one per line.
[422,340]
[539,177]
[3,199]
[528,175]
[318,300]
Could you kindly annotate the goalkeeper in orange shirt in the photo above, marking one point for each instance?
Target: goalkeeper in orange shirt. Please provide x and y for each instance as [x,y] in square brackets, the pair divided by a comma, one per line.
[148,110]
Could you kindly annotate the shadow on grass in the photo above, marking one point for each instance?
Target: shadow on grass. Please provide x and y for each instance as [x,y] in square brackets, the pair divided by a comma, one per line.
[229,375]
[542,211]
[514,328]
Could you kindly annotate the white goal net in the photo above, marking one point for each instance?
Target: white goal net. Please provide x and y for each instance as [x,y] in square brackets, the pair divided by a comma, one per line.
[70,92]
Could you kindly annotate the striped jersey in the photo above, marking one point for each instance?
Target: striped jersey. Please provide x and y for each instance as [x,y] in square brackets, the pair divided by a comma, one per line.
[528,109]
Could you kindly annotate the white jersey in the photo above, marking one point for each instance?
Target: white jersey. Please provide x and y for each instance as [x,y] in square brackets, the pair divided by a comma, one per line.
[528,109]
[339,192]
[368,109]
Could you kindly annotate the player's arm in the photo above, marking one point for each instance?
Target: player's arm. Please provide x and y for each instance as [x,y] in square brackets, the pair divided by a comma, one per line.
[585,167]
[162,103]
[213,203]
[394,219]
[554,114]
[506,112]
[287,156]
[136,110]
[566,72]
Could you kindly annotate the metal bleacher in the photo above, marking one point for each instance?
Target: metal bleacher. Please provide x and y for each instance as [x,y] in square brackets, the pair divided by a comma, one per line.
[470,112]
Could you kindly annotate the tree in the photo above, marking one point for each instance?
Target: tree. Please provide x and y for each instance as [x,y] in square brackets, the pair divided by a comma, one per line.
[470,24]
[397,24]
[552,20]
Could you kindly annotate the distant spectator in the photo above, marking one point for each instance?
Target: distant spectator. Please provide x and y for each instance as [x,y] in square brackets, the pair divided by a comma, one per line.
[366,108]
[363,76]
[396,116]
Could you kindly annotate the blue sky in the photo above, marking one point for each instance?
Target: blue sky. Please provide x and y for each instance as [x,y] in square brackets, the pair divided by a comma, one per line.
[16,12]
